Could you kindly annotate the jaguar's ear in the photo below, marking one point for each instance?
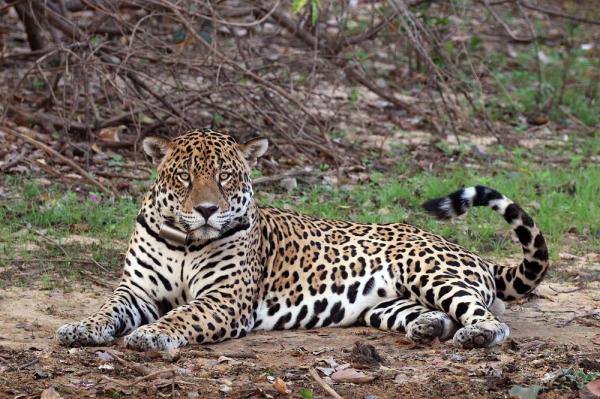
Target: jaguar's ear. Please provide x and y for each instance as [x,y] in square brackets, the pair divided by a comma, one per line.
[156,148]
[254,149]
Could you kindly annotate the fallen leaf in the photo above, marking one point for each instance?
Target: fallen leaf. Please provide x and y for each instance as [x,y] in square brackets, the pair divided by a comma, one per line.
[280,387]
[50,393]
[594,387]
[330,361]
[352,375]
[326,370]
[530,392]
[222,359]
[110,134]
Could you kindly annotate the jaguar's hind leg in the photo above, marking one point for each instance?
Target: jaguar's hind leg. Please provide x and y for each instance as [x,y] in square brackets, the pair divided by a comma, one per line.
[420,323]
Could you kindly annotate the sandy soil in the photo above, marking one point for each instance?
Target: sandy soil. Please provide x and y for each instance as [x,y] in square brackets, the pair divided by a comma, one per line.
[552,330]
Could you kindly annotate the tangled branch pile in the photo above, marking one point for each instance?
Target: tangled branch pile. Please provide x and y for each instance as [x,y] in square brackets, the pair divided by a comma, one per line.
[116,70]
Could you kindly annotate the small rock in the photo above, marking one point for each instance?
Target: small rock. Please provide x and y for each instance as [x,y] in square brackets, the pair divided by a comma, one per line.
[366,353]
[289,183]
[401,379]
[104,356]
[456,358]
[39,375]
[240,32]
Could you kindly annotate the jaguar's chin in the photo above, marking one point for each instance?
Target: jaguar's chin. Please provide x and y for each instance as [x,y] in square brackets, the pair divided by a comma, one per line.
[205,232]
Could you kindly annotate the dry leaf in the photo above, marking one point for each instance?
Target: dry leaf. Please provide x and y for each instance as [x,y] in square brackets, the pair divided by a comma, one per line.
[110,134]
[351,375]
[326,370]
[50,393]
[280,387]
[594,387]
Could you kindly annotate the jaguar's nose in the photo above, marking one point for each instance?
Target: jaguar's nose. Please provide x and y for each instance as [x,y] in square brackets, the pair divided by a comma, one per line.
[206,210]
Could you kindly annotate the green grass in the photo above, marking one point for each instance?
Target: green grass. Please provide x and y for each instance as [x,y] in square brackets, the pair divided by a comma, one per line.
[49,235]
[66,213]
[563,202]
[38,221]
[568,86]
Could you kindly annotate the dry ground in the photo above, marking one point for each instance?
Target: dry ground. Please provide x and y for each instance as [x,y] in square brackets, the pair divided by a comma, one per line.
[553,330]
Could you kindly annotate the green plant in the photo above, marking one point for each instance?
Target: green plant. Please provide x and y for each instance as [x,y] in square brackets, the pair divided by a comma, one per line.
[315,8]
[306,393]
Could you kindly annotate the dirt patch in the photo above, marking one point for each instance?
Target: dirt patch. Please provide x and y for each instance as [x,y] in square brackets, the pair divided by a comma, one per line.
[552,331]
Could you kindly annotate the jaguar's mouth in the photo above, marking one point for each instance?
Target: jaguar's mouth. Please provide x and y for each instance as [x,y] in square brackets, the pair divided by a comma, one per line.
[204,232]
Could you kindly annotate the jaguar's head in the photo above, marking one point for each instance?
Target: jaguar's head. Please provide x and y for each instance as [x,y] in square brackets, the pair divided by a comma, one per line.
[203,184]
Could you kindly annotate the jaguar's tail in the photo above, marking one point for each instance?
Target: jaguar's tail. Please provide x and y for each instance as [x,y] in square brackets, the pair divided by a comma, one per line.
[511,282]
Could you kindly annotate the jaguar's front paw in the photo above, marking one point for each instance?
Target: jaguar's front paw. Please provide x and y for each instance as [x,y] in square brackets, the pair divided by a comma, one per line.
[429,326]
[150,337]
[481,335]
[85,333]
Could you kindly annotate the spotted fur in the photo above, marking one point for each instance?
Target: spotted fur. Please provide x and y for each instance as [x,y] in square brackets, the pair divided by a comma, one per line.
[247,267]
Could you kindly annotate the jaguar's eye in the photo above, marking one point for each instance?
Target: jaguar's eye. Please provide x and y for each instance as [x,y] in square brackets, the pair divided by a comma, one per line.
[224,176]
[184,176]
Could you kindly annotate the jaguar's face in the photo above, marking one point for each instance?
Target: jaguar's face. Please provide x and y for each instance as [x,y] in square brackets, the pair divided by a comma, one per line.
[203,182]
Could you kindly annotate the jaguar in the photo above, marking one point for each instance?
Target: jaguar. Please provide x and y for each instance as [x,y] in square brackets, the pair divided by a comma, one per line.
[206,263]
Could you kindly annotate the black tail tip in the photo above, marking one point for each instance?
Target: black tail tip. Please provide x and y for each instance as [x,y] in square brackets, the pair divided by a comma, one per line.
[438,208]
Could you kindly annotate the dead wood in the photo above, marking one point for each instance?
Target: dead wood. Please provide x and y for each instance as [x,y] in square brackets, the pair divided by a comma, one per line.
[51,151]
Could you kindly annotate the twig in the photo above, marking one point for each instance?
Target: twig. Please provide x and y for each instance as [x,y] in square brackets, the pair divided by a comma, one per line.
[51,241]
[222,57]
[507,28]
[315,375]
[355,76]
[588,314]
[15,161]
[558,13]
[149,376]
[139,368]
[120,175]
[275,178]
[34,36]
[233,355]
[47,119]
[24,365]
[565,291]
[96,280]
[88,260]
[51,151]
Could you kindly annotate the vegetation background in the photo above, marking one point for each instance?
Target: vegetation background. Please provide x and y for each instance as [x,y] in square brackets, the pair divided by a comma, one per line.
[371,108]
